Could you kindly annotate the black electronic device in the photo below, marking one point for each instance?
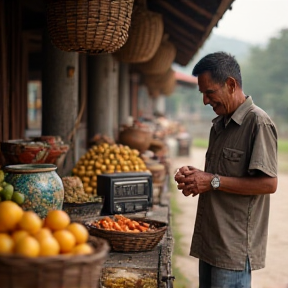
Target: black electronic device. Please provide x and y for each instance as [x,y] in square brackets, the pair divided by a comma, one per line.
[123,192]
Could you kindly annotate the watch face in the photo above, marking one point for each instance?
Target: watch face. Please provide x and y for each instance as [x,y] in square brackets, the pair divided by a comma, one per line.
[215,182]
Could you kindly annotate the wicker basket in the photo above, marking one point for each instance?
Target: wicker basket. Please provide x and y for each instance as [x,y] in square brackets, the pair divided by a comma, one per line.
[54,272]
[82,212]
[165,83]
[145,35]
[161,61]
[90,26]
[131,242]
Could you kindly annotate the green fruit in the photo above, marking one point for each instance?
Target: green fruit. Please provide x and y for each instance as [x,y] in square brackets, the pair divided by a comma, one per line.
[18,198]
[2,176]
[3,184]
[7,192]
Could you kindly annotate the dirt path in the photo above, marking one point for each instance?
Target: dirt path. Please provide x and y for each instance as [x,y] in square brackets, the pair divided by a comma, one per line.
[275,274]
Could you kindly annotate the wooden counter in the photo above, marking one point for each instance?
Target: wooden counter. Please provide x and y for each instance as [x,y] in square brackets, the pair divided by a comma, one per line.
[142,269]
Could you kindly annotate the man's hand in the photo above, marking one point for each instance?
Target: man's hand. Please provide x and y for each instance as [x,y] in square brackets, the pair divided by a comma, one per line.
[193,181]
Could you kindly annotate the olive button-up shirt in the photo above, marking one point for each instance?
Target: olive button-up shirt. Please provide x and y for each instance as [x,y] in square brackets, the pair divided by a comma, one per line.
[231,227]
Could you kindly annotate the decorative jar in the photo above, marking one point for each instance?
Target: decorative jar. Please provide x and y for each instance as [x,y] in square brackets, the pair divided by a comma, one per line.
[41,185]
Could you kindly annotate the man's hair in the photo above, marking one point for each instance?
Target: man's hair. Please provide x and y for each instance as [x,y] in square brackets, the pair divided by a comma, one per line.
[221,65]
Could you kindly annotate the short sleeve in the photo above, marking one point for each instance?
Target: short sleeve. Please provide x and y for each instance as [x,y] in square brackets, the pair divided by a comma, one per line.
[264,153]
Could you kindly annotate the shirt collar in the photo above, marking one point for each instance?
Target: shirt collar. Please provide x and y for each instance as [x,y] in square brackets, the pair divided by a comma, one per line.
[240,113]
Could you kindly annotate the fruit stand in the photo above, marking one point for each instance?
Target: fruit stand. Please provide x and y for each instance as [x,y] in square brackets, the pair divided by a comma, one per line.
[56,218]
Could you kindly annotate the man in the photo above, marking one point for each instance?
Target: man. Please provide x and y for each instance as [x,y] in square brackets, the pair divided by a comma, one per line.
[231,226]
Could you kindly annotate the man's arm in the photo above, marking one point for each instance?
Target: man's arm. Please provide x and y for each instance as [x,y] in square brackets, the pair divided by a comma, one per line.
[195,181]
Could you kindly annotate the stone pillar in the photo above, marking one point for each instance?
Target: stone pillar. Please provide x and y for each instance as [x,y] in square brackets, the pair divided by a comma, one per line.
[124,93]
[60,97]
[103,72]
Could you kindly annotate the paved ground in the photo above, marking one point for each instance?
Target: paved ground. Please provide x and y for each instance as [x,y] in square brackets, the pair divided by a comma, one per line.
[275,274]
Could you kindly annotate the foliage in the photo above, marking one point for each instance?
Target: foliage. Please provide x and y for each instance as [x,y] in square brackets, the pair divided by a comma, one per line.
[265,77]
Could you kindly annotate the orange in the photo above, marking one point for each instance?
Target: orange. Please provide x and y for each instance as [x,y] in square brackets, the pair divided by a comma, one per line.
[27,246]
[19,234]
[6,244]
[10,215]
[57,220]
[79,231]
[30,222]
[43,233]
[49,246]
[65,239]
[82,249]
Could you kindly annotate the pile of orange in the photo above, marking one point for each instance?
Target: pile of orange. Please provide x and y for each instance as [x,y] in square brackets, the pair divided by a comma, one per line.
[25,233]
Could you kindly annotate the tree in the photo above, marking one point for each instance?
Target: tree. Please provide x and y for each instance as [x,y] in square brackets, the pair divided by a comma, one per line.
[265,76]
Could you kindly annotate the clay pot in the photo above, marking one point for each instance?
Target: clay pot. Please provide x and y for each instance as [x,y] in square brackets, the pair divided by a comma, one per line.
[41,185]
[136,138]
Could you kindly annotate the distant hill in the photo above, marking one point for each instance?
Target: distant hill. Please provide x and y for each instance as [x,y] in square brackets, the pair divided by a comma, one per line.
[215,43]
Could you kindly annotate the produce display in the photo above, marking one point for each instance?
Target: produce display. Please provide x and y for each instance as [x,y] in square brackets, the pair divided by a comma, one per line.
[25,233]
[74,191]
[106,158]
[7,191]
[124,224]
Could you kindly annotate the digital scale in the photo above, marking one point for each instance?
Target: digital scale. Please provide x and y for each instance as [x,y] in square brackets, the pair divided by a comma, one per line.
[129,192]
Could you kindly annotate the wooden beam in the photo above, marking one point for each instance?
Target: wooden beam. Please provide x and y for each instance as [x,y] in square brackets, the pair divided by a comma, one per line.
[180,41]
[197,8]
[179,29]
[183,17]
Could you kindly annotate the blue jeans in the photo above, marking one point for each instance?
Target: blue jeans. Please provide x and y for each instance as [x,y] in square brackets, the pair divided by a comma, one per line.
[214,277]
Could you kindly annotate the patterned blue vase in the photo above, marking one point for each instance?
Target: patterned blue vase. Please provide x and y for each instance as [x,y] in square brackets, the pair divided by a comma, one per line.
[41,185]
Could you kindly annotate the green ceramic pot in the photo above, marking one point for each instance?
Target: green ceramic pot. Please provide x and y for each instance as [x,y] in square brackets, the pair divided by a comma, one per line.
[41,185]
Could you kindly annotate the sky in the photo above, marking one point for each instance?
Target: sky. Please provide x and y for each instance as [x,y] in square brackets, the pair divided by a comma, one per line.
[253,21]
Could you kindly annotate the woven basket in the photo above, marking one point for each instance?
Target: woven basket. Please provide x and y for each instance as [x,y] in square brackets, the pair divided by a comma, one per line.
[131,242]
[54,272]
[164,83]
[82,212]
[145,35]
[90,26]
[161,61]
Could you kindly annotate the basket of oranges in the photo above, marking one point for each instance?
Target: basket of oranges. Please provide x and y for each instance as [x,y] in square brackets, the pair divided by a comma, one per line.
[128,234]
[47,253]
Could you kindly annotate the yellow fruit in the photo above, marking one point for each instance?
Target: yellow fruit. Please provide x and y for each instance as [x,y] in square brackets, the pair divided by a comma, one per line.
[65,239]
[19,234]
[30,222]
[79,231]
[27,246]
[43,233]
[10,215]
[6,244]
[49,246]
[57,220]
[82,249]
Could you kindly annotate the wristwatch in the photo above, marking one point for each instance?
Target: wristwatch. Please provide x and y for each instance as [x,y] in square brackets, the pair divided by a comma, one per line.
[215,182]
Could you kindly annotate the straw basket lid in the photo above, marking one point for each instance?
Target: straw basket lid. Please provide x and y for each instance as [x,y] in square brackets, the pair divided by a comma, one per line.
[89,26]
[161,61]
[145,35]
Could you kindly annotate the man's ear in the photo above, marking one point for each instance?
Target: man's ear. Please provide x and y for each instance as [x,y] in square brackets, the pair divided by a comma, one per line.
[231,84]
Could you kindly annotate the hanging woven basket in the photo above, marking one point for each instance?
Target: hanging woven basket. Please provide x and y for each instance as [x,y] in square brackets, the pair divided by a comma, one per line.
[161,61]
[145,35]
[161,84]
[90,26]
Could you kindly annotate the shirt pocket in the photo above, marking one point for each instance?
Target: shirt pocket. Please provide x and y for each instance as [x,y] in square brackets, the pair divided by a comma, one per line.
[234,162]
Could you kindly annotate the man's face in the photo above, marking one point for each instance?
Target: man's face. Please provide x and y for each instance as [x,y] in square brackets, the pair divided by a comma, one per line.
[216,95]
